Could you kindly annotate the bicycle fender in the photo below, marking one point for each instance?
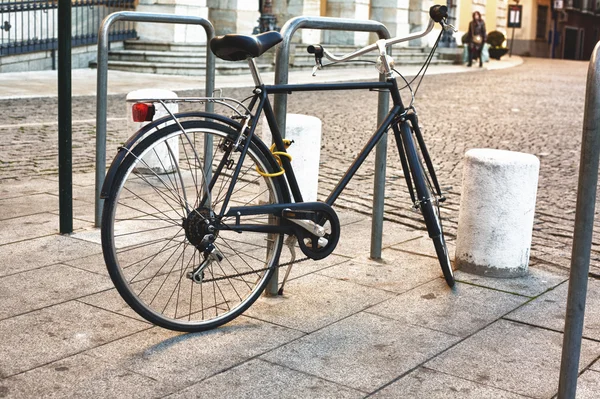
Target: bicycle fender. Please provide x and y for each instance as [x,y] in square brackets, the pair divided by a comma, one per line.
[137,137]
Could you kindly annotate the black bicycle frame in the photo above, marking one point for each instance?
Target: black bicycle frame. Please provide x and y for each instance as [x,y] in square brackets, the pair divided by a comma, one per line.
[263,104]
[397,115]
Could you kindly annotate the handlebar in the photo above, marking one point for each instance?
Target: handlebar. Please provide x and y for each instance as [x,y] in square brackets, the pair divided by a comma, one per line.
[437,13]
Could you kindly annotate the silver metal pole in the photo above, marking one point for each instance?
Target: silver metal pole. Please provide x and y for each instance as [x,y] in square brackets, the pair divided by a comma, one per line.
[584,226]
[102,79]
[379,178]
[282,62]
[209,106]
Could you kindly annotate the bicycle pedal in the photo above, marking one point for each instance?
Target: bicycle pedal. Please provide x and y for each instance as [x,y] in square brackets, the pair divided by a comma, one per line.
[321,242]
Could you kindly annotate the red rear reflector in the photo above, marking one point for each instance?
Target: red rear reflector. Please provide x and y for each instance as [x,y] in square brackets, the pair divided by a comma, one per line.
[142,112]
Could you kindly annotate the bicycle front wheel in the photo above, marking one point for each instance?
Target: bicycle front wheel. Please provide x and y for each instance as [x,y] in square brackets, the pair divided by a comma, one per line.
[427,202]
[163,252]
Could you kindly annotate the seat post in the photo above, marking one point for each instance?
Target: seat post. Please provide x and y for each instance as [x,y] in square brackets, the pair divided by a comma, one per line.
[254,71]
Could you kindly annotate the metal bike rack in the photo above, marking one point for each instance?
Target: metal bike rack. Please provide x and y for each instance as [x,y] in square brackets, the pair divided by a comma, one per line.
[282,61]
[101,96]
[582,238]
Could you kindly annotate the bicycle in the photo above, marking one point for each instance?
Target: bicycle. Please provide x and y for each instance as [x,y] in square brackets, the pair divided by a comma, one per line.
[192,237]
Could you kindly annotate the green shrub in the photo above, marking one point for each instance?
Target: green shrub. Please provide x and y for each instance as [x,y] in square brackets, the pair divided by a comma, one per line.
[495,38]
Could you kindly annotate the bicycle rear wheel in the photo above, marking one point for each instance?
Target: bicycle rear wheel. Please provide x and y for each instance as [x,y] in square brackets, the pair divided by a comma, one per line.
[427,202]
[158,216]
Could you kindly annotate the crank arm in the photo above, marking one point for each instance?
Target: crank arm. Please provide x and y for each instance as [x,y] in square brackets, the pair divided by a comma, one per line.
[310,226]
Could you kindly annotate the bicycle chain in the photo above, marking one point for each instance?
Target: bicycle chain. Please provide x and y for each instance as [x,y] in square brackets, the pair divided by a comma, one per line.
[254,271]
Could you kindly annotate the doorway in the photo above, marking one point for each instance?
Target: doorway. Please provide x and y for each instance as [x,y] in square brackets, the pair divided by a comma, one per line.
[572,46]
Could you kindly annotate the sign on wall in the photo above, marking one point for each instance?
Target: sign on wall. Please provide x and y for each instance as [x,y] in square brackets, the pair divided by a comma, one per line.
[515,13]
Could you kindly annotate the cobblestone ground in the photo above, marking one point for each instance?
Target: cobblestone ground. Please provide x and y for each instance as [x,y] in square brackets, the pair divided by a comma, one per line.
[535,108]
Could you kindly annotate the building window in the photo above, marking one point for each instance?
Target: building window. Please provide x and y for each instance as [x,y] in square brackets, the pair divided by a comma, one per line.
[542,19]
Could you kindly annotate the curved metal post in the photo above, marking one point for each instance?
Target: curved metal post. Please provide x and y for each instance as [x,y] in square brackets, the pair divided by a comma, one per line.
[282,62]
[582,238]
[282,58]
[102,80]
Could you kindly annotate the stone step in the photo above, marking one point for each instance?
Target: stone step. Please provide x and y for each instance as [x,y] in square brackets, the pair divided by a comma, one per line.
[169,57]
[399,53]
[338,49]
[232,68]
[190,59]
[200,58]
[198,48]
[161,57]
[398,58]
[309,65]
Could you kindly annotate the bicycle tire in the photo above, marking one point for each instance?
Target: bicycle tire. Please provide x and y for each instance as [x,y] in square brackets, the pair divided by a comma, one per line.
[429,209]
[149,224]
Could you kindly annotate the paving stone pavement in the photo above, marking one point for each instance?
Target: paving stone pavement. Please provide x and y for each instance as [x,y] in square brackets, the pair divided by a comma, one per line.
[511,109]
[347,326]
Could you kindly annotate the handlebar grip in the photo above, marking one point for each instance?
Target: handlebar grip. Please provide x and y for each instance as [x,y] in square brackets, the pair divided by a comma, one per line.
[437,13]
[316,49]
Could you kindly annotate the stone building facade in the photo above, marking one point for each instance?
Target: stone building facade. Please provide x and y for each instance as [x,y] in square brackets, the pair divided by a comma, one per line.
[401,17]
[240,16]
[577,23]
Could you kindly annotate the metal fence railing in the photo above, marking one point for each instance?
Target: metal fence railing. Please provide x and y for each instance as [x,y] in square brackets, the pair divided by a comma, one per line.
[30,26]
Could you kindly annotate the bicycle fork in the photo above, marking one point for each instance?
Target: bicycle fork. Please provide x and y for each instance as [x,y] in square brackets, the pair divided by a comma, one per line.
[403,146]
[415,124]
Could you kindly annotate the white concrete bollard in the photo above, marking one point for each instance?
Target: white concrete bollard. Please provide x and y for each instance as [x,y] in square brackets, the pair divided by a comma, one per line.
[162,161]
[305,131]
[497,206]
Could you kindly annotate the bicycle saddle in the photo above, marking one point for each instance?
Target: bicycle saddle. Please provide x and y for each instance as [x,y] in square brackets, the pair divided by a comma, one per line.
[233,47]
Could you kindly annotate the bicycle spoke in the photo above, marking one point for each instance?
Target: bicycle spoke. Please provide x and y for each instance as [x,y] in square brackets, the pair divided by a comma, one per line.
[176,187]
[146,258]
[143,231]
[236,253]
[134,247]
[194,177]
[177,198]
[161,230]
[147,203]
[142,176]
[167,274]
[154,257]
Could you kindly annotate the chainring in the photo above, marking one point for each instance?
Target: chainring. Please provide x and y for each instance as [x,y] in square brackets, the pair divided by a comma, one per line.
[309,243]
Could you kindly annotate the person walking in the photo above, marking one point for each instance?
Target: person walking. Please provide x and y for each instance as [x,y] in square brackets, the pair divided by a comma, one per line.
[476,37]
